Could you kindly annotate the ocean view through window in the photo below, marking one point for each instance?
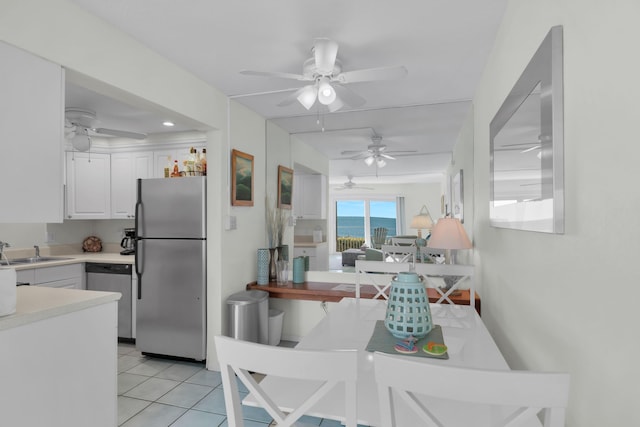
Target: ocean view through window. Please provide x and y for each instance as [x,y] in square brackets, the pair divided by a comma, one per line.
[356,220]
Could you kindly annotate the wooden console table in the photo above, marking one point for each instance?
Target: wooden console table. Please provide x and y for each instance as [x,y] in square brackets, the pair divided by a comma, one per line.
[323,291]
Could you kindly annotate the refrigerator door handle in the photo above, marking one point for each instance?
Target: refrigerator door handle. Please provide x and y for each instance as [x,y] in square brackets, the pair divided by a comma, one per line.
[139,244]
[137,211]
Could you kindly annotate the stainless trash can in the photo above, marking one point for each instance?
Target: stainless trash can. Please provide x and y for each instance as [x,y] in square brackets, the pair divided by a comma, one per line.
[248,316]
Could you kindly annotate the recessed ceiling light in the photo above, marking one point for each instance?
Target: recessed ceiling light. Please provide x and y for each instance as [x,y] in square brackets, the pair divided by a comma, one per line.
[168,123]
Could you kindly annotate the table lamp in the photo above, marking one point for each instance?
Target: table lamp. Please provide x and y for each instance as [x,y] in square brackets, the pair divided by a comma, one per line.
[447,234]
[422,220]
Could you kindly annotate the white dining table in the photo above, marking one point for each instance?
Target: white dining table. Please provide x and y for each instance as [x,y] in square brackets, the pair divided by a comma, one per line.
[350,324]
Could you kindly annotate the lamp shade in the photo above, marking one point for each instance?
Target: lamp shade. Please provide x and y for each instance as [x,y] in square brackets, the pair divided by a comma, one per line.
[422,220]
[308,96]
[448,233]
[326,93]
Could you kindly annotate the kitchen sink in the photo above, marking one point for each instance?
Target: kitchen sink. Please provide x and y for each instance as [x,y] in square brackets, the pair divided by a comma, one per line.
[33,260]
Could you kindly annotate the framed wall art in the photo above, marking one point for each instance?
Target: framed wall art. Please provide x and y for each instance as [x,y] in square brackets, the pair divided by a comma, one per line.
[285,187]
[457,196]
[241,178]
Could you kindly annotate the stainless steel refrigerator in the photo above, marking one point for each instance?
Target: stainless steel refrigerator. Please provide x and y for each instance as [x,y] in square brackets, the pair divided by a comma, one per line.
[171,254]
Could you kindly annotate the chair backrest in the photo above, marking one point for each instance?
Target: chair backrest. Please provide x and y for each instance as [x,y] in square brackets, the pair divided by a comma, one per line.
[372,271]
[379,237]
[529,392]
[394,253]
[456,273]
[403,241]
[331,368]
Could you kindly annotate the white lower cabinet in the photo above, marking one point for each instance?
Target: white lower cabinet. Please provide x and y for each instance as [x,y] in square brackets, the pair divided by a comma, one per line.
[62,276]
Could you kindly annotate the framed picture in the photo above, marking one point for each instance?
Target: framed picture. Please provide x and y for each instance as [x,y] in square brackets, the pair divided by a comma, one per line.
[285,187]
[241,178]
[457,196]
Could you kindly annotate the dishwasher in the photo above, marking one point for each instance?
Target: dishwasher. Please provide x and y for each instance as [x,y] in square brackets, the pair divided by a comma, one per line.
[114,278]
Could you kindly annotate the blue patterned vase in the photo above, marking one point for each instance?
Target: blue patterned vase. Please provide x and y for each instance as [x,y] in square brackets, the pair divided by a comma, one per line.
[263,266]
[408,313]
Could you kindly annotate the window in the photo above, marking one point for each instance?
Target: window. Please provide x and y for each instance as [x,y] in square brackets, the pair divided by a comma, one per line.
[356,219]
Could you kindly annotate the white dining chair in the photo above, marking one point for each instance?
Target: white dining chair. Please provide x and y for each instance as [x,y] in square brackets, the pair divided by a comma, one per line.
[378,274]
[403,241]
[463,274]
[511,396]
[338,368]
[395,253]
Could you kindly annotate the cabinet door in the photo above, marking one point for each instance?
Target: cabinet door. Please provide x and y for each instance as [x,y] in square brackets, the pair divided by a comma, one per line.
[126,168]
[31,137]
[311,197]
[66,283]
[88,186]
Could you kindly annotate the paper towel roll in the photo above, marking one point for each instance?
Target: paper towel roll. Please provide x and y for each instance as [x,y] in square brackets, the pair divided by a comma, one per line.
[7,291]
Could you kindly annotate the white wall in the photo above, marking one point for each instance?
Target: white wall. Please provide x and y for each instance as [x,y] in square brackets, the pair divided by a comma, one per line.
[570,302]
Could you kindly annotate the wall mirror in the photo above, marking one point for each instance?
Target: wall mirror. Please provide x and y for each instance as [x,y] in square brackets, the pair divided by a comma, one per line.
[526,143]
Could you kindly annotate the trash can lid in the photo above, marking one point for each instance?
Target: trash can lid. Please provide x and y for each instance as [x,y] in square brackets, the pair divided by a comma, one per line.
[247,297]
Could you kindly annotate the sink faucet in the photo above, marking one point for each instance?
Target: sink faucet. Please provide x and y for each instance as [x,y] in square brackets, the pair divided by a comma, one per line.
[37,251]
[2,246]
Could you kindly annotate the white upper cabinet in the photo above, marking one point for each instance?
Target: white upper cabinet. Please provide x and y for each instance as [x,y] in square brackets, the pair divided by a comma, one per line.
[88,186]
[310,196]
[126,168]
[31,137]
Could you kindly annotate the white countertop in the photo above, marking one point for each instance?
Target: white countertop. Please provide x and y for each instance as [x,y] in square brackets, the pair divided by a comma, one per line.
[35,303]
[307,244]
[108,257]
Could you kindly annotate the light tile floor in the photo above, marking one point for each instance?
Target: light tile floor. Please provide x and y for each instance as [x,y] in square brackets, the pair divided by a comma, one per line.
[155,392]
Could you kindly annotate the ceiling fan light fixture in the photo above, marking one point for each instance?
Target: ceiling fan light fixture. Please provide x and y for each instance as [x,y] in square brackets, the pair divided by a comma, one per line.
[326,93]
[369,160]
[308,97]
[381,162]
[81,141]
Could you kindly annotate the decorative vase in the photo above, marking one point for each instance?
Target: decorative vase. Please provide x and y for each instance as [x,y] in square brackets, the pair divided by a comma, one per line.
[263,267]
[298,270]
[408,313]
[273,271]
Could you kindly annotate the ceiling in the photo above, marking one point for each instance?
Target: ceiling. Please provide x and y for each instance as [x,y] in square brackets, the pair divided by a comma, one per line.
[443,45]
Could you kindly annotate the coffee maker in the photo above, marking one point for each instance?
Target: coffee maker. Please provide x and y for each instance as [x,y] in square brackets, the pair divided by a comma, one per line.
[128,242]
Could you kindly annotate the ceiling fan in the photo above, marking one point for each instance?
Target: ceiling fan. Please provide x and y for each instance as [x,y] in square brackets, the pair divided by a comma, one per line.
[376,152]
[78,123]
[350,185]
[328,80]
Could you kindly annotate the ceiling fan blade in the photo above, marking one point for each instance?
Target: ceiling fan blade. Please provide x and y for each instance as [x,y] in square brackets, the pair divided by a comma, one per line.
[275,74]
[386,156]
[535,147]
[373,74]
[335,105]
[394,152]
[292,97]
[120,133]
[360,156]
[348,96]
[325,52]
[351,152]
